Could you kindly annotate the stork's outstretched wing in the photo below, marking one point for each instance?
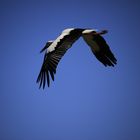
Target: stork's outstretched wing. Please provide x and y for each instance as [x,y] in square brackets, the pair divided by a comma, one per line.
[55,52]
[99,47]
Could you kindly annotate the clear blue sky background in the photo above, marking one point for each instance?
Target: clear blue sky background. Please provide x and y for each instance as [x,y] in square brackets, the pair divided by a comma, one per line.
[87,101]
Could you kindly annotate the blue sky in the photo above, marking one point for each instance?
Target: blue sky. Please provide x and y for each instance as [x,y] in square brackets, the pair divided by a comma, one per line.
[87,100]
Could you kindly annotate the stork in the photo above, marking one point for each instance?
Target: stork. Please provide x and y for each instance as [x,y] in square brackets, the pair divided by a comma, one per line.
[55,50]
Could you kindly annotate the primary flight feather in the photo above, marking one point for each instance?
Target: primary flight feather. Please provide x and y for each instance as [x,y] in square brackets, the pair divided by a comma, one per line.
[54,51]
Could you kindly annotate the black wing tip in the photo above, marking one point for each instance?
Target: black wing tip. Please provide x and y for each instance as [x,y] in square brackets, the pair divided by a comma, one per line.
[42,50]
[104,31]
[106,60]
[46,46]
[47,71]
[41,79]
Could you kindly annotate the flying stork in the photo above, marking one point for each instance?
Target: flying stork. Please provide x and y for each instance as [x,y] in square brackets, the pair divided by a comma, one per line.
[55,49]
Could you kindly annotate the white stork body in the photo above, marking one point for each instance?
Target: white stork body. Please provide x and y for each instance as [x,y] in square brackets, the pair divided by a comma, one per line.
[57,48]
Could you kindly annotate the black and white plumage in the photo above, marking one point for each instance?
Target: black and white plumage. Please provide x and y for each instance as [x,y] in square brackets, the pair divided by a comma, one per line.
[99,47]
[56,49]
